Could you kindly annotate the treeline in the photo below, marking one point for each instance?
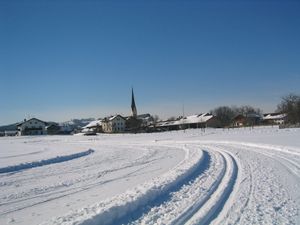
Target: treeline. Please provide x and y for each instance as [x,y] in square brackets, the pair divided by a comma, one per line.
[226,114]
[290,105]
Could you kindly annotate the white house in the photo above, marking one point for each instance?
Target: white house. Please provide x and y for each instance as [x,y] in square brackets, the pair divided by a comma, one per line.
[274,118]
[93,127]
[146,119]
[193,121]
[32,127]
[114,124]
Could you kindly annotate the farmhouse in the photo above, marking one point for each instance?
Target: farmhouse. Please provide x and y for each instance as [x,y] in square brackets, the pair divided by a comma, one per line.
[114,124]
[274,118]
[250,119]
[193,121]
[53,129]
[93,127]
[239,121]
[32,127]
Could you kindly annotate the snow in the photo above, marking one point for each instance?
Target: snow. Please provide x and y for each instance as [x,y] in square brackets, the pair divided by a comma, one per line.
[274,117]
[44,162]
[216,176]
[197,118]
[193,119]
[94,123]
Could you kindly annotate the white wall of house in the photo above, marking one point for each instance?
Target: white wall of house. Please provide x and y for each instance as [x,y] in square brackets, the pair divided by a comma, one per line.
[32,127]
[114,124]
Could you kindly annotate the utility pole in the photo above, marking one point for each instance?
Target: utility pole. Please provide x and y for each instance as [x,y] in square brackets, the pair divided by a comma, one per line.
[183,117]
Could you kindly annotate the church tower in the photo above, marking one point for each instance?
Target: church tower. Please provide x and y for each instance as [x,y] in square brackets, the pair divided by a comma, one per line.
[133,106]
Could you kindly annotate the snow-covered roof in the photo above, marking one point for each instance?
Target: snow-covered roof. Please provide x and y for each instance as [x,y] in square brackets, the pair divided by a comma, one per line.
[114,117]
[111,118]
[94,123]
[274,116]
[198,118]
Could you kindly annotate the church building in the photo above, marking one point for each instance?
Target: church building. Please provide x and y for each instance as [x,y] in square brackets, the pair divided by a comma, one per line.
[133,124]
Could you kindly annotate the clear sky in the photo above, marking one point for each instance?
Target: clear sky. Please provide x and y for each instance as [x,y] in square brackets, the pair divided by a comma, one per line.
[76,59]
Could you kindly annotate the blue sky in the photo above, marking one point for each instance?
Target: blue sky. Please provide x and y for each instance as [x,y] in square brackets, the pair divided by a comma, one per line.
[72,59]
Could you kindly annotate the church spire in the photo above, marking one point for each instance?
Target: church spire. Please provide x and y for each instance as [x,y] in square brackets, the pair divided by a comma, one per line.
[133,107]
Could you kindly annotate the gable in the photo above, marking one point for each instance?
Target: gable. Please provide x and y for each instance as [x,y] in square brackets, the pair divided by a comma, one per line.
[32,121]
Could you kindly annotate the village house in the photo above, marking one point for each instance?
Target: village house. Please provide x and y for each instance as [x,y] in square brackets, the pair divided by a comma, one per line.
[53,129]
[193,121]
[239,121]
[146,119]
[93,127]
[251,119]
[32,127]
[114,124]
[274,118]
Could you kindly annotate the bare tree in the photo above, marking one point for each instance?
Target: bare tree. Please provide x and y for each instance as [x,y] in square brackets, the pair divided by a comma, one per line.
[225,114]
[171,118]
[155,118]
[246,110]
[290,105]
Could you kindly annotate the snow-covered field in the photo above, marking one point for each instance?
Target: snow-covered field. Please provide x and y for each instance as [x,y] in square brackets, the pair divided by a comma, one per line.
[240,176]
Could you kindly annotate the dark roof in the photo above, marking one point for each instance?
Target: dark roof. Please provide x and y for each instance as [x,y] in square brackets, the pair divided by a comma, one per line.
[240,116]
[144,115]
[253,115]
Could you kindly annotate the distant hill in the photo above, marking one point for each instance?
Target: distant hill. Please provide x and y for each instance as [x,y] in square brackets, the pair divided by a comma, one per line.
[77,123]
[9,127]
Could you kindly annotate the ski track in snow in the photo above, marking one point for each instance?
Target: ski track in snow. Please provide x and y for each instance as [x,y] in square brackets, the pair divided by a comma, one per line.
[44,162]
[219,190]
[217,182]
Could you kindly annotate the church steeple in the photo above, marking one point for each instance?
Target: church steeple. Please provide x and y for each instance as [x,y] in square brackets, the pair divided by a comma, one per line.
[133,106]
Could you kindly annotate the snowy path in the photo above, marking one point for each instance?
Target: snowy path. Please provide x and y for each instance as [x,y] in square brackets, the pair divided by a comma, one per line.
[191,178]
